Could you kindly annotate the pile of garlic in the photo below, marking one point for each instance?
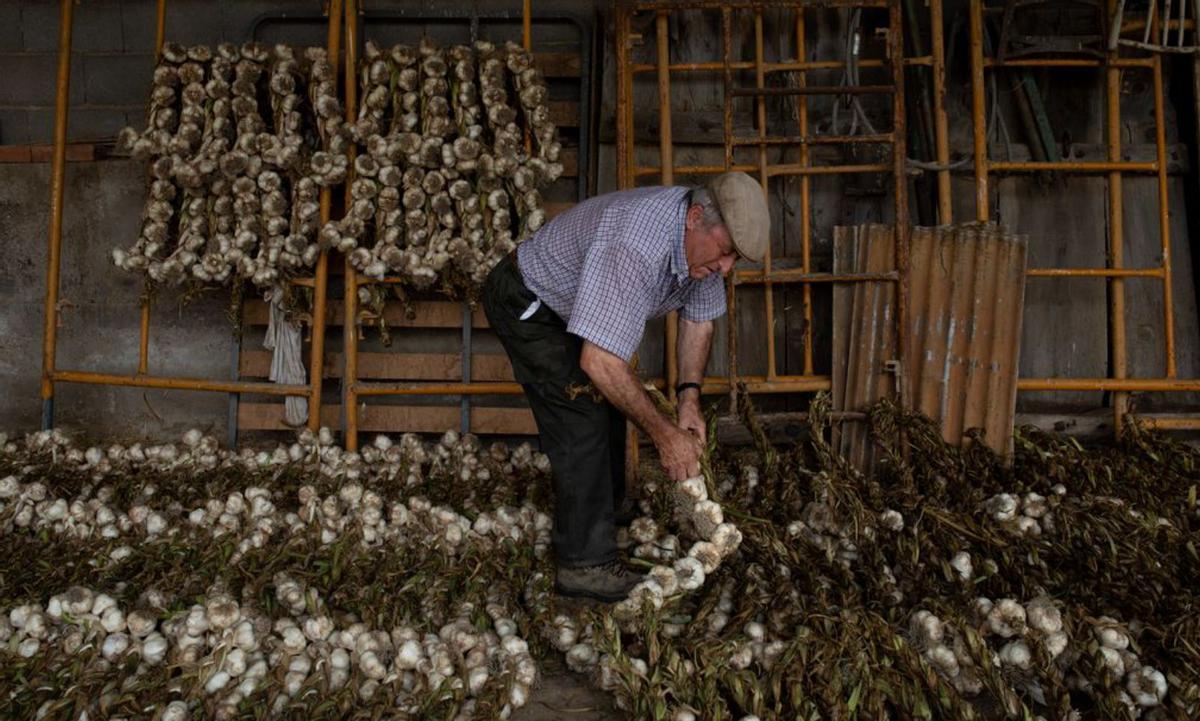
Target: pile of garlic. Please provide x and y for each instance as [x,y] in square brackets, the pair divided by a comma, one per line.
[443,187]
[236,163]
[232,652]
[1026,515]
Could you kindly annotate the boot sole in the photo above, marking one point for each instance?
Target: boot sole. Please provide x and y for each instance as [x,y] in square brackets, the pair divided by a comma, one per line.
[584,593]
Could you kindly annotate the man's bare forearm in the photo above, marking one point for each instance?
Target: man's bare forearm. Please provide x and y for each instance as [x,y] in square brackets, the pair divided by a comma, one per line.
[613,377]
[695,340]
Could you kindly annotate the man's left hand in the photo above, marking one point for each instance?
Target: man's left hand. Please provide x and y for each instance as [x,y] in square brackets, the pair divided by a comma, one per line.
[690,417]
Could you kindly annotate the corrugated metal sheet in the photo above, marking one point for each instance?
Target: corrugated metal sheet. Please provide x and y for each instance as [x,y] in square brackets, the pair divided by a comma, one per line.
[966,290]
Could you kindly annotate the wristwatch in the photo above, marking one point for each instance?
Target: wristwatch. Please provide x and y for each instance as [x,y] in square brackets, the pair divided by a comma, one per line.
[684,386]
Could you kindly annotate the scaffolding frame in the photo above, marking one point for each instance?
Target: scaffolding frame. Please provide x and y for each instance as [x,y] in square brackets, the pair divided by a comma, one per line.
[143,378]
[629,171]
[1113,168]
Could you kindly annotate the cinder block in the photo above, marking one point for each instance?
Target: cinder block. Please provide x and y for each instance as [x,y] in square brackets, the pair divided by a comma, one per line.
[117,79]
[238,18]
[29,79]
[83,124]
[14,126]
[10,26]
[191,22]
[96,26]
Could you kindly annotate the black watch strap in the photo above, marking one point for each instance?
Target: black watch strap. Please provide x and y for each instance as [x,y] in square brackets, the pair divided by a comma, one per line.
[684,386]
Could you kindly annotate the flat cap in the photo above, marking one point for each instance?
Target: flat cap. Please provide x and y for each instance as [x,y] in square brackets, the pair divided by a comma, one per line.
[742,205]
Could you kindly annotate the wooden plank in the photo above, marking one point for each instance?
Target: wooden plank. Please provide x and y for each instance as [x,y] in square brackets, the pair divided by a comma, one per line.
[485,367]
[397,419]
[428,314]
[558,65]
[564,113]
[554,209]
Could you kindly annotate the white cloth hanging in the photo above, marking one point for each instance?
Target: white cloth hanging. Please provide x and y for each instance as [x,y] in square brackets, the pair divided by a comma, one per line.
[287,362]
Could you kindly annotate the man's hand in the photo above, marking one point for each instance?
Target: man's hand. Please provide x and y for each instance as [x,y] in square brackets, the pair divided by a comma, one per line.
[679,452]
[690,417]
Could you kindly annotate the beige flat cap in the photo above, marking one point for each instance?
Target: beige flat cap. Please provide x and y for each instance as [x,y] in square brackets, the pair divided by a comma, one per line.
[741,202]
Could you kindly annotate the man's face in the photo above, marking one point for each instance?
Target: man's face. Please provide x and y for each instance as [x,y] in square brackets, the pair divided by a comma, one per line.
[708,249]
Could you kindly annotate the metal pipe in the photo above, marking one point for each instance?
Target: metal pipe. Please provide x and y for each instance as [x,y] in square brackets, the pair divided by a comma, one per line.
[727,118]
[1094,273]
[1164,219]
[1131,385]
[900,180]
[177,383]
[1109,166]
[978,113]
[800,275]
[1067,63]
[782,67]
[805,192]
[160,33]
[787,169]
[320,279]
[752,4]
[764,179]
[350,296]
[805,139]
[1116,238]
[941,130]
[58,172]
[667,158]
[641,170]
[813,90]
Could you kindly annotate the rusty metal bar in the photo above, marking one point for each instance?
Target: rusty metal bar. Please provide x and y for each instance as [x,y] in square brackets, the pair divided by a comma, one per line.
[1116,237]
[800,275]
[667,158]
[1094,272]
[775,170]
[805,191]
[642,170]
[753,4]
[814,90]
[804,139]
[350,296]
[727,115]
[183,384]
[760,101]
[58,172]
[1130,385]
[781,67]
[1109,166]
[1067,63]
[941,130]
[1164,221]
[160,31]
[900,180]
[1169,422]
[978,112]
[320,279]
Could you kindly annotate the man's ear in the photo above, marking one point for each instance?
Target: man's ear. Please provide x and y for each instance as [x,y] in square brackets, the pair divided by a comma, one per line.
[692,217]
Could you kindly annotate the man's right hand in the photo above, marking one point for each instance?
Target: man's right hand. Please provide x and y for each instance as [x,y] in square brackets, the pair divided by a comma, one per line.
[679,452]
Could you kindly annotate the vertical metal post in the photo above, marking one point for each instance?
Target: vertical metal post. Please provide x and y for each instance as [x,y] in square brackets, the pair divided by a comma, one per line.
[350,294]
[1116,236]
[1164,218]
[465,399]
[978,114]
[941,131]
[761,114]
[58,171]
[316,359]
[160,31]
[667,157]
[731,284]
[805,191]
[900,181]
[625,162]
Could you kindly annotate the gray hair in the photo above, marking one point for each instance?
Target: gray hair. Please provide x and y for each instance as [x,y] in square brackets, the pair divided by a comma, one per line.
[712,215]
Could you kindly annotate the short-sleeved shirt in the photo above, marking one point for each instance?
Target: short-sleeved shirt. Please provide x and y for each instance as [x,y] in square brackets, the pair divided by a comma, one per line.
[615,261]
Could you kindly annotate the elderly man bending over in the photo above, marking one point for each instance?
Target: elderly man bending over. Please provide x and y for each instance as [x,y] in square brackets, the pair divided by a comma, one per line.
[570,306]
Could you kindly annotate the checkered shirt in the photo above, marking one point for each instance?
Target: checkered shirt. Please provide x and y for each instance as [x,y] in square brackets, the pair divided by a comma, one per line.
[615,261]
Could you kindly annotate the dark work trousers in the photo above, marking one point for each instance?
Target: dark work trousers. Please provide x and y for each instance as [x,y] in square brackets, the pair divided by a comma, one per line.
[584,437]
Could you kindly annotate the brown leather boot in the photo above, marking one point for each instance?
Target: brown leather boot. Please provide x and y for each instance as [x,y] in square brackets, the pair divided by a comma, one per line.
[607,582]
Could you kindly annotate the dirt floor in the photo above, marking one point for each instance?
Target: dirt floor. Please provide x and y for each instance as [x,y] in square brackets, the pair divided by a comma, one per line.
[565,696]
